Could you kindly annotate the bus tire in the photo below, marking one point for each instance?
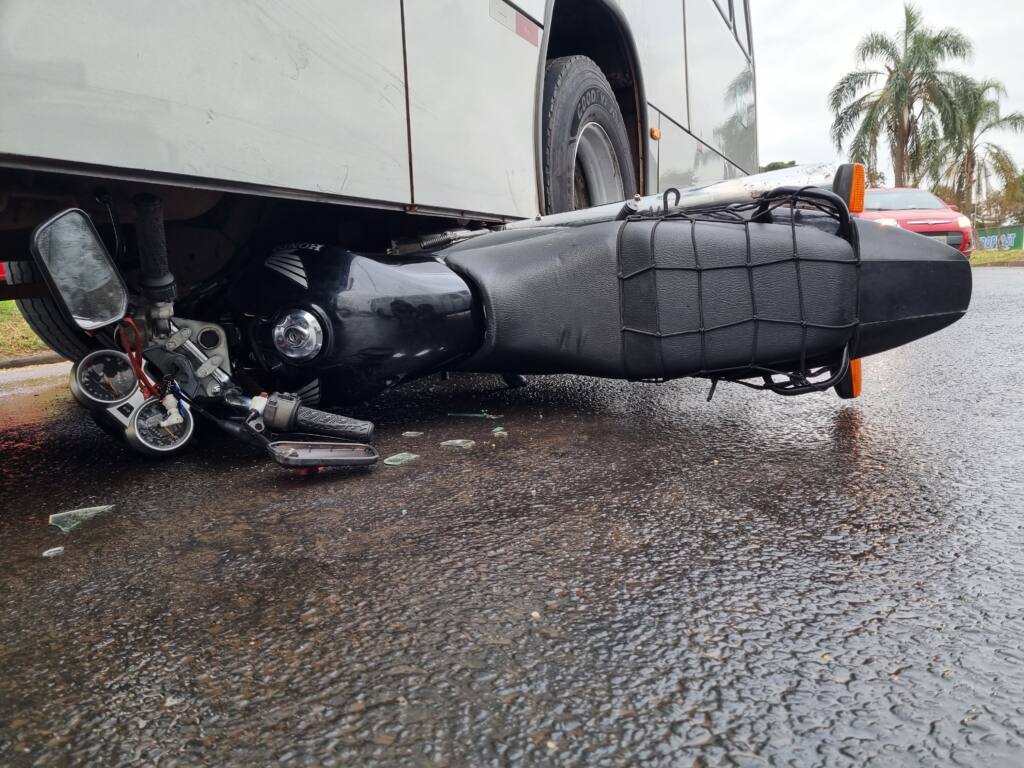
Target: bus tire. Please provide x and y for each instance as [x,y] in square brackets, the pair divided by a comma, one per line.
[587,155]
[45,318]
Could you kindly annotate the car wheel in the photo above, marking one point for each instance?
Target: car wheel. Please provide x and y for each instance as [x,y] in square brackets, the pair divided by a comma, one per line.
[45,317]
[587,155]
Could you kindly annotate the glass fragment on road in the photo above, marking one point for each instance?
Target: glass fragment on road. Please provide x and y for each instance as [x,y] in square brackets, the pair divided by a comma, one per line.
[479,415]
[499,432]
[400,458]
[53,552]
[467,444]
[412,434]
[68,521]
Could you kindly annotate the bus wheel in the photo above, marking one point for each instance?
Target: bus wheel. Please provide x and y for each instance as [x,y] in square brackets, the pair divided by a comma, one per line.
[587,159]
[46,319]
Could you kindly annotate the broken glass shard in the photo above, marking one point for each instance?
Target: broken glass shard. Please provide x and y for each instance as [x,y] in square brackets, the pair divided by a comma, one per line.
[400,458]
[68,521]
[467,444]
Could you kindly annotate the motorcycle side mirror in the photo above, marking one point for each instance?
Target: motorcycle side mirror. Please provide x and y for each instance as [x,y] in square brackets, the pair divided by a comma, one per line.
[78,270]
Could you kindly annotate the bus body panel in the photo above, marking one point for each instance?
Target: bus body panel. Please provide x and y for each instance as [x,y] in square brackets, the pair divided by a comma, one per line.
[721,85]
[308,98]
[685,162]
[295,94]
[657,27]
[472,97]
[699,83]
[533,8]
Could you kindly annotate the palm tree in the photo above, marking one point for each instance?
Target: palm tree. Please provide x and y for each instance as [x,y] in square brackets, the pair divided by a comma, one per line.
[915,103]
[975,160]
[1005,206]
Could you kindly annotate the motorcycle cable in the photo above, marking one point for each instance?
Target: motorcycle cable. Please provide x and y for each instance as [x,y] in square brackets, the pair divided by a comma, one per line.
[134,352]
[103,198]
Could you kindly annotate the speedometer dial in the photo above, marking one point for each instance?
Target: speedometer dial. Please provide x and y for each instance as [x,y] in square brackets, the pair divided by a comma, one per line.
[150,433]
[103,378]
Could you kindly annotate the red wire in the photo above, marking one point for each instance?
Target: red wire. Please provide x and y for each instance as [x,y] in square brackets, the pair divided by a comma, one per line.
[135,357]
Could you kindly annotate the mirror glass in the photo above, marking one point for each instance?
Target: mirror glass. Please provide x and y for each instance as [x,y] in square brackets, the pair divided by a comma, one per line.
[77,267]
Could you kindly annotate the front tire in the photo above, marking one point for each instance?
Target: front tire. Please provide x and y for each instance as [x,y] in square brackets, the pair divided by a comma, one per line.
[587,155]
[45,318]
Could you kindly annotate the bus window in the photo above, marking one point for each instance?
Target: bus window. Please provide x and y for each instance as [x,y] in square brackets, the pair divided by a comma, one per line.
[739,8]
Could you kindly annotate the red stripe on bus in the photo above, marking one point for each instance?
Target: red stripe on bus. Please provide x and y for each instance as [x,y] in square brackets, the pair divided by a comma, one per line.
[527,30]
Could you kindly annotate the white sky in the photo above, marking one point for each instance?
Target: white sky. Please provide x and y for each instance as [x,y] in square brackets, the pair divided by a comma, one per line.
[803,47]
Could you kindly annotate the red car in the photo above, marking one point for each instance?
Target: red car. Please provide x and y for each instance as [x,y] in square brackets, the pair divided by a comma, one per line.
[922,212]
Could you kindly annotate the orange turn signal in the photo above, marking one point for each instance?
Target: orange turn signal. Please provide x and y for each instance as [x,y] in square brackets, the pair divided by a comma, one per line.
[848,387]
[849,184]
[855,377]
[656,134]
[857,187]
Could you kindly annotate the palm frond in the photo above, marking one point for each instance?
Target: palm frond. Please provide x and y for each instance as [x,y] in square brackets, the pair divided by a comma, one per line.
[1013,122]
[864,145]
[1000,162]
[877,46]
[911,22]
[847,119]
[950,43]
[848,87]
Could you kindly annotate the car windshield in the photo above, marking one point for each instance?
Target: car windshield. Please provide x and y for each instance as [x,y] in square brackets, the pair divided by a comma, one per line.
[902,200]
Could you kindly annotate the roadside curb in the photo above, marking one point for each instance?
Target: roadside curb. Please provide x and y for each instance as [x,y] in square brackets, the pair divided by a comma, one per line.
[22,362]
[1014,263]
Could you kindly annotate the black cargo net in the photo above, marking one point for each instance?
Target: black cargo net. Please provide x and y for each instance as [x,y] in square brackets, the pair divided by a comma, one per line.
[775,284]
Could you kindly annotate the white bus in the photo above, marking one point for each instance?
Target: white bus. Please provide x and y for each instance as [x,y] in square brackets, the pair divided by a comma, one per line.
[364,121]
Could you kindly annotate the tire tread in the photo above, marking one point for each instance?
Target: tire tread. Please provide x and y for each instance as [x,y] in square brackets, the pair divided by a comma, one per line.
[556,73]
[45,317]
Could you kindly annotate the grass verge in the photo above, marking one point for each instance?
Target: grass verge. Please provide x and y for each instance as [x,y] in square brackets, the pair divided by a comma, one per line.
[16,338]
[997,259]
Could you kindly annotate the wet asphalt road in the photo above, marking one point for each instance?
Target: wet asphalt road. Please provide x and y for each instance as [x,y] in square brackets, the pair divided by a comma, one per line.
[632,577]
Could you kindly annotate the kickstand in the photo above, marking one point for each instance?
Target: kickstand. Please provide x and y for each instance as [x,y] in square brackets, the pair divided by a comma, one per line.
[714,386]
[514,380]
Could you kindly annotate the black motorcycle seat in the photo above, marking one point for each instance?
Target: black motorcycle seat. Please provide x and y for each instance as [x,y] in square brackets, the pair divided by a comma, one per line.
[658,299]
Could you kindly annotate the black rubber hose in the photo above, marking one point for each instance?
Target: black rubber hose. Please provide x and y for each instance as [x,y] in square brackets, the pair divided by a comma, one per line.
[156,280]
[333,425]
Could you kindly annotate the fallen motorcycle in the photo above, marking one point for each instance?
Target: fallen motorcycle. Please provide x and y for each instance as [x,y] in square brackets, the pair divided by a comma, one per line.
[772,286]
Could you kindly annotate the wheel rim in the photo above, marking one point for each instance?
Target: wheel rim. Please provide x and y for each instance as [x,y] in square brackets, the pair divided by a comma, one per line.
[597,177]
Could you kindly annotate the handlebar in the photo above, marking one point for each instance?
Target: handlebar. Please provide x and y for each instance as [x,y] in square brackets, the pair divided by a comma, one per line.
[332,424]
[285,413]
[157,280]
